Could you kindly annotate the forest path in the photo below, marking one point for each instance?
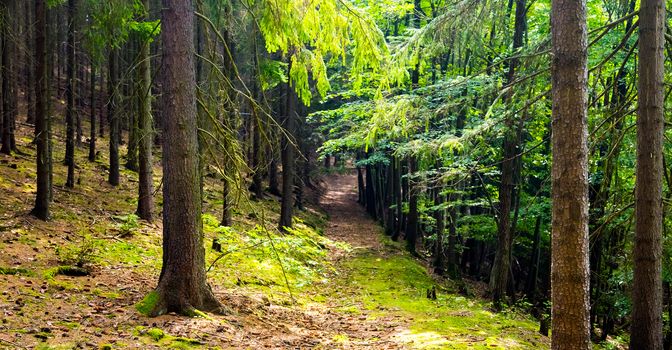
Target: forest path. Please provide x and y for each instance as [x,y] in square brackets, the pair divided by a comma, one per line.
[343,320]
[348,221]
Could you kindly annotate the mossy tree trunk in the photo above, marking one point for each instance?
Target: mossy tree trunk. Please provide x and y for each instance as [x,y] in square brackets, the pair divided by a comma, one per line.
[145,172]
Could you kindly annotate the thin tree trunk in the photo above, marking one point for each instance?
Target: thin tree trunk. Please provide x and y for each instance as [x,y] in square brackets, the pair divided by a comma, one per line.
[398,202]
[7,79]
[113,116]
[92,116]
[145,170]
[30,64]
[412,224]
[70,96]
[439,216]
[502,263]
[42,198]
[288,166]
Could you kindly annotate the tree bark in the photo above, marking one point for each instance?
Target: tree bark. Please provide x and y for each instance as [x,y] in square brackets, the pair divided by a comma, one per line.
[42,198]
[92,115]
[647,296]
[145,170]
[30,64]
[439,216]
[412,224]
[182,286]
[113,116]
[288,165]
[569,271]
[499,276]
[8,79]
[70,96]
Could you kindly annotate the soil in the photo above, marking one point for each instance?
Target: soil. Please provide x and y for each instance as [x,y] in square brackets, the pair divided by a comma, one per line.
[77,312]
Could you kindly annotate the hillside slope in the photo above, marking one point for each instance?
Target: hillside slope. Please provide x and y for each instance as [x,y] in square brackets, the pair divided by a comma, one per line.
[327,284]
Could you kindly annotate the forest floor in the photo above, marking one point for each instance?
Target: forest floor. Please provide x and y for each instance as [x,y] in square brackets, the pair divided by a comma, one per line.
[335,282]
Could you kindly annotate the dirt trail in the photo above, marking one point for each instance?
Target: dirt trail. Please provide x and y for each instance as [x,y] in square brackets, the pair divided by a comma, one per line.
[348,221]
[325,325]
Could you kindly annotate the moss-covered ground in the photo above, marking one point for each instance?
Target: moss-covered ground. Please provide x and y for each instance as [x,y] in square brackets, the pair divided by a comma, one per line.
[332,282]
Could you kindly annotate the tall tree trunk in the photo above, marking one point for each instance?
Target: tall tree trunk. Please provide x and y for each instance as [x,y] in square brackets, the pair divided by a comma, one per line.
[361,188]
[257,187]
[288,165]
[412,224]
[647,296]
[499,276]
[92,115]
[370,193]
[145,170]
[8,78]
[30,64]
[182,286]
[70,97]
[439,216]
[113,116]
[102,114]
[390,222]
[42,198]
[398,202]
[569,272]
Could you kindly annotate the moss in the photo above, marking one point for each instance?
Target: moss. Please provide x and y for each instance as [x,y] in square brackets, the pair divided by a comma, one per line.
[106,294]
[397,284]
[147,304]
[165,340]
[16,271]
[105,347]
[199,313]
[156,334]
[65,270]
[69,325]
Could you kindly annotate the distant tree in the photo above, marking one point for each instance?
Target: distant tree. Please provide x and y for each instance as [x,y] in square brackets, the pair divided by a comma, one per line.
[569,174]
[92,115]
[182,286]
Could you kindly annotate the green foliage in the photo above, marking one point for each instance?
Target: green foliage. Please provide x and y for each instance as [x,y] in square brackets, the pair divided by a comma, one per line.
[81,254]
[272,73]
[307,33]
[127,224]
[263,258]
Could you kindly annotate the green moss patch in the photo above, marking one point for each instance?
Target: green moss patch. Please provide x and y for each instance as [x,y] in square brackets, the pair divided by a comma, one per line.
[16,271]
[397,284]
[147,304]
